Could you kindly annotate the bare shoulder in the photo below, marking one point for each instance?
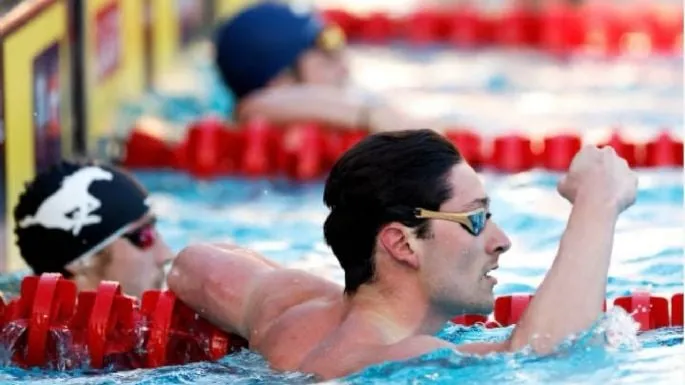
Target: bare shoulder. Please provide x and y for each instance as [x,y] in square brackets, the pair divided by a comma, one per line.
[241,288]
[364,355]
[283,289]
[358,355]
[271,281]
[281,284]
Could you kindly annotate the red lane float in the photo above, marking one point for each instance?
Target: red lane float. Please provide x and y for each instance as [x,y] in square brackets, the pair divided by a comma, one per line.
[664,151]
[650,312]
[559,151]
[517,26]
[346,21]
[660,29]
[307,150]
[49,326]
[256,159]
[604,28]
[53,305]
[469,144]
[510,308]
[465,28]
[52,327]
[561,28]
[99,325]
[677,310]
[159,308]
[470,319]
[625,150]
[556,27]
[203,156]
[105,322]
[302,153]
[424,26]
[144,149]
[377,27]
[512,154]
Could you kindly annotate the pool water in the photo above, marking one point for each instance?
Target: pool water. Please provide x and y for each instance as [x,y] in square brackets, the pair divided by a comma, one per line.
[491,92]
[283,221]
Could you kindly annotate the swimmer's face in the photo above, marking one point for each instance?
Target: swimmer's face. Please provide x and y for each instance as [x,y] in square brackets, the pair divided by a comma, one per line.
[317,66]
[139,267]
[136,262]
[453,262]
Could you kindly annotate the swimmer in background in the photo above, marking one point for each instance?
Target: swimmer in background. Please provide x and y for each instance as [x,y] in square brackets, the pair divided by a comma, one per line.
[289,67]
[91,222]
[411,227]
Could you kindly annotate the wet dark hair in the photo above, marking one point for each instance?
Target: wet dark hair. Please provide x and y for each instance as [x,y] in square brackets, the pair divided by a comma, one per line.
[382,179]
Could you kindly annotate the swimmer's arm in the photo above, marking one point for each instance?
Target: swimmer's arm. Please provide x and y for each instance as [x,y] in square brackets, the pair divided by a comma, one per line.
[572,294]
[239,290]
[217,281]
[329,105]
[298,103]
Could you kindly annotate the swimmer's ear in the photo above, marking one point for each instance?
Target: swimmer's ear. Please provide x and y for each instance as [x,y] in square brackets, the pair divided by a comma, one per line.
[397,240]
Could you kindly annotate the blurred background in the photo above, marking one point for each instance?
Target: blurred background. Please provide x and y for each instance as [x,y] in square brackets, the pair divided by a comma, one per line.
[91,78]
[517,85]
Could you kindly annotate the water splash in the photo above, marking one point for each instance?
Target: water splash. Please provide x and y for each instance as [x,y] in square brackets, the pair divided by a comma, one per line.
[595,350]
[619,329]
[67,355]
[9,336]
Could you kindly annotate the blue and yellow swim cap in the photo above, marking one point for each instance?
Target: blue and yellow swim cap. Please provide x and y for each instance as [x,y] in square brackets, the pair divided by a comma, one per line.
[263,40]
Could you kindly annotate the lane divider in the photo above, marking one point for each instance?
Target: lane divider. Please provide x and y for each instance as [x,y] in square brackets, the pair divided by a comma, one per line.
[649,311]
[555,27]
[307,150]
[48,325]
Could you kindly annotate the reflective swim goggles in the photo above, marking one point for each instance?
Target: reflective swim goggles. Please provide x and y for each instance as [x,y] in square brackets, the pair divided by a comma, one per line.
[144,236]
[472,221]
[331,39]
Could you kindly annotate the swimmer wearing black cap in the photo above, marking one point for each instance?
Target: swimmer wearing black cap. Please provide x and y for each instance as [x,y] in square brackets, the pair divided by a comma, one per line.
[91,222]
[411,226]
[289,67]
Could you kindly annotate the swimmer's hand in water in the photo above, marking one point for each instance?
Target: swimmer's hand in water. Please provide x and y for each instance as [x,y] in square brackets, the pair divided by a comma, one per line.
[603,173]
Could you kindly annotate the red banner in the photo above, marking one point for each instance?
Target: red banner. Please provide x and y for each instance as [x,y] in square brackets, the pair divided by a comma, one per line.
[108,42]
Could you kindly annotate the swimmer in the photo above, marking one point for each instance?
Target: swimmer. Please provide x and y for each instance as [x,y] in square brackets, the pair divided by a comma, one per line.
[286,66]
[411,226]
[91,222]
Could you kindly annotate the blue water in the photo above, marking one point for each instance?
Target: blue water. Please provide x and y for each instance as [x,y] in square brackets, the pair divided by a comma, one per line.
[493,92]
[283,221]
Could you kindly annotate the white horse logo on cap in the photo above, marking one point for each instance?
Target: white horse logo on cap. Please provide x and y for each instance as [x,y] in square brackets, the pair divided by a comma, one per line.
[70,207]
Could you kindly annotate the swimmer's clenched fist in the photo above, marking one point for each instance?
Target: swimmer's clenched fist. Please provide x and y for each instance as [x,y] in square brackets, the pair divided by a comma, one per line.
[600,172]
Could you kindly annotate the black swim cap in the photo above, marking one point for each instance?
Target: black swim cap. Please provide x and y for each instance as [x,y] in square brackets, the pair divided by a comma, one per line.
[74,209]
